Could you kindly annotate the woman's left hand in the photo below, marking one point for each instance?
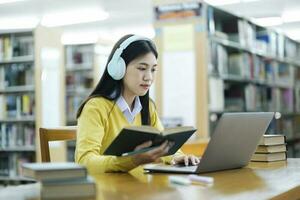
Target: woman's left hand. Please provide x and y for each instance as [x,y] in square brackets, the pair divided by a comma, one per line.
[185,159]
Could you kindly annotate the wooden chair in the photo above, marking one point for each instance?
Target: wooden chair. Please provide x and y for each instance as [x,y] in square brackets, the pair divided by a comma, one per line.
[63,133]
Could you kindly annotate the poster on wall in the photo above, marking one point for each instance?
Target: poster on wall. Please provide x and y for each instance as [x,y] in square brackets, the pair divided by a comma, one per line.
[179,89]
[178,10]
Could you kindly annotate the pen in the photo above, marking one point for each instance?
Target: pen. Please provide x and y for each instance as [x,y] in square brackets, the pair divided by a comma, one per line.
[187,180]
[202,179]
[179,180]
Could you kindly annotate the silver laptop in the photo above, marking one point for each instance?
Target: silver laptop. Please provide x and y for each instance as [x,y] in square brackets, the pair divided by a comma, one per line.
[231,145]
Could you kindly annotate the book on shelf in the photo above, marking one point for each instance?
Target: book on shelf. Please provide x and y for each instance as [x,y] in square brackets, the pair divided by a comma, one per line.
[17,106]
[16,135]
[19,74]
[7,48]
[234,97]
[251,96]
[290,48]
[284,74]
[219,59]
[258,71]
[4,165]
[268,157]
[240,65]
[216,94]
[79,54]
[3,107]
[271,148]
[272,139]
[80,188]
[269,37]
[10,164]
[1,48]
[53,171]
[130,137]
[297,99]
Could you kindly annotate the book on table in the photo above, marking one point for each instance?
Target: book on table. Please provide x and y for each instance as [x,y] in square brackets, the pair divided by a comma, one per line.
[272,140]
[80,188]
[270,148]
[268,157]
[53,171]
[61,180]
[130,137]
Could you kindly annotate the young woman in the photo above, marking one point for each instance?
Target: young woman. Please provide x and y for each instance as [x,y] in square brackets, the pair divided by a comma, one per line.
[121,99]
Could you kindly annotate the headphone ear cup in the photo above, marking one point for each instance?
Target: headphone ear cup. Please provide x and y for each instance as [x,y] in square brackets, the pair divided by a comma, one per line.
[121,69]
[116,68]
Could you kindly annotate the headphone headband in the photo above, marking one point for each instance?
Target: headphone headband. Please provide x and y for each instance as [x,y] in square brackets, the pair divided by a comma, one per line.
[117,67]
[131,39]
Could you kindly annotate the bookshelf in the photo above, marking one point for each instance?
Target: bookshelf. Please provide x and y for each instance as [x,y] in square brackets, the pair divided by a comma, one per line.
[79,77]
[238,67]
[257,67]
[84,65]
[17,103]
[20,101]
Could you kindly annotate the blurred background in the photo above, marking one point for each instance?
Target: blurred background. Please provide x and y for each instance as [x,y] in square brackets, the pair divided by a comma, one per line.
[215,56]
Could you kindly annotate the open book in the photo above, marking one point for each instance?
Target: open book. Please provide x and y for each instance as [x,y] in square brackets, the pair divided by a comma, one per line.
[130,137]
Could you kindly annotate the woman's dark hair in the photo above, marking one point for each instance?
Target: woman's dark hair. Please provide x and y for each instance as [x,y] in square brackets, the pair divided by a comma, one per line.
[111,89]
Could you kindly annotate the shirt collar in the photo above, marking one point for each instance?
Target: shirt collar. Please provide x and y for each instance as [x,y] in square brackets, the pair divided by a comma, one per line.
[124,106]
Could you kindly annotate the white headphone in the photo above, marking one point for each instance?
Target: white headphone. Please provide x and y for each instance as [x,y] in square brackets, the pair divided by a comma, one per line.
[116,67]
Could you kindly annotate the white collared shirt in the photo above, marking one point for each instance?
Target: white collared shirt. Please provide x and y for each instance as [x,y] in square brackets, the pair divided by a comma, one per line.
[130,115]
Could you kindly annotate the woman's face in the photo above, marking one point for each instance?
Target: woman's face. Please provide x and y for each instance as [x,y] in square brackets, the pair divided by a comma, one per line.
[140,74]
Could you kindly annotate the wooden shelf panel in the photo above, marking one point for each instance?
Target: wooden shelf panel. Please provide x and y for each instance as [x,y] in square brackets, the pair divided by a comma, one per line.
[20,59]
[18,89]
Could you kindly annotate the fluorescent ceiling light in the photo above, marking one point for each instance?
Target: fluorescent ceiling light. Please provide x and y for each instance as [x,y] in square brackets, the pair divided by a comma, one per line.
[248,1]
[291,16]
[9,1]
[227,2]
[222,2]
[268,21]
[79,38]
[74,17]
[294,34]
[146,31]
[25,22]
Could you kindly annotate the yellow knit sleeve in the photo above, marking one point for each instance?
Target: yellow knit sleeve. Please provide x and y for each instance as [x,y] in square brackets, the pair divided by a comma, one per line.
[155,122]
[90,133]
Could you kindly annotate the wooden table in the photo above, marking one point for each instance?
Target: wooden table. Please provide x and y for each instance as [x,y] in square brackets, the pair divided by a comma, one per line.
[277,180]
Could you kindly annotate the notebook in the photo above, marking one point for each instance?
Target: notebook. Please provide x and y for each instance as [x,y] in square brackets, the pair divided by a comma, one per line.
[231,145]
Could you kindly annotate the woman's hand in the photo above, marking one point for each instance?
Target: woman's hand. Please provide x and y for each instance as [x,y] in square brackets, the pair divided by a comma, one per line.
[186,159]
[152,155]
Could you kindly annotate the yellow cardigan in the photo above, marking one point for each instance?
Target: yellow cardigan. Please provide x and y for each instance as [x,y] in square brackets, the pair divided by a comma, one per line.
[99,123]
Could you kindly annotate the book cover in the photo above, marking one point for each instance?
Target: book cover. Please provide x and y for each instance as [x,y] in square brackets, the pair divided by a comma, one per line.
[130,137]
[216,94]
[53,171]
[272,140]
[270,148]
[269,157]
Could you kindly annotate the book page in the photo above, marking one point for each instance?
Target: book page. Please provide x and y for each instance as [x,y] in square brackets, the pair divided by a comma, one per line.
[169,131]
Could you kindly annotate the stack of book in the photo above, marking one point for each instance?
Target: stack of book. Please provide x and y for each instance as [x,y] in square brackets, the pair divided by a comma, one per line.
[61,180]
[270,148]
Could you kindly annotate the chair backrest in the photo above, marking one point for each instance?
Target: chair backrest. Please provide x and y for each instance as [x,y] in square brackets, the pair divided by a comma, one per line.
[54,134]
